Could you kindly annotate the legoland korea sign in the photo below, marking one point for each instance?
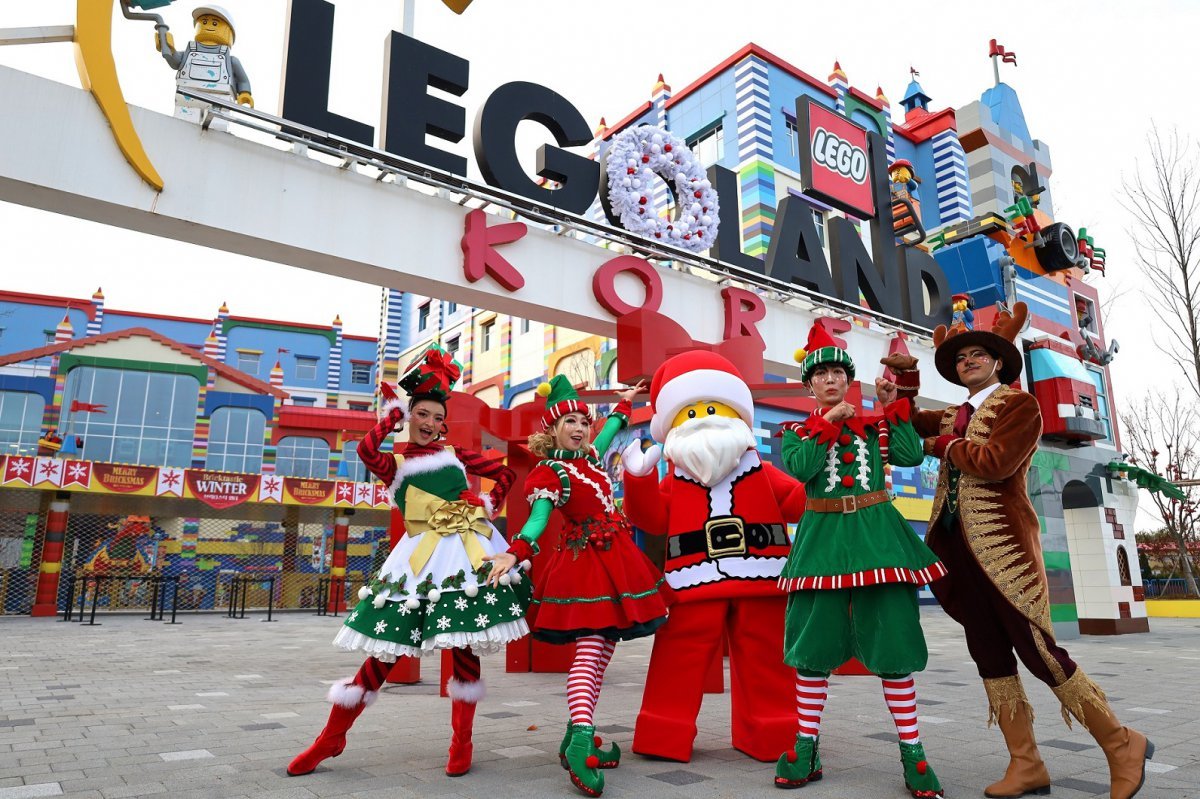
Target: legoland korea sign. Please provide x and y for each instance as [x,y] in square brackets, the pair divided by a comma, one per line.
[273,204]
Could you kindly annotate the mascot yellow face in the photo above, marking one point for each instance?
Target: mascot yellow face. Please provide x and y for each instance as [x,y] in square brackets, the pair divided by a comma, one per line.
[901,174]
[213,31]
[704,408]
[960,305]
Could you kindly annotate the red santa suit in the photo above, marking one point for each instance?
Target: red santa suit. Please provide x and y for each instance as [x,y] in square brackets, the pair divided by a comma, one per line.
[726,545]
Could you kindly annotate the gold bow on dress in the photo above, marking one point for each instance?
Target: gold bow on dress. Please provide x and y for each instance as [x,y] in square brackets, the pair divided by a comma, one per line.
[431,518]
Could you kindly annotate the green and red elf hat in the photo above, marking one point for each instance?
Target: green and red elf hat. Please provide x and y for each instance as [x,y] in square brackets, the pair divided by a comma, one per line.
[561,399]
[431,375]
[821,351]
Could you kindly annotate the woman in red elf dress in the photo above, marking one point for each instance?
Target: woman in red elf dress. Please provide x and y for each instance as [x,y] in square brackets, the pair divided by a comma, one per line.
[598,587]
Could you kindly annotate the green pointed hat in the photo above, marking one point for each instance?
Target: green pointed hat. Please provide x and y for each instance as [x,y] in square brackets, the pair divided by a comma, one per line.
[821,351]
[561,399]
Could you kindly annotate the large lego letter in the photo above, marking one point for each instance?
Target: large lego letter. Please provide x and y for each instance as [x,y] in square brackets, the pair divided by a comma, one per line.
[855,272]
[307,53]
[479,244]
[743,311]
[795,254]
[922,275]
[409,113]
[604,285]
[727,247]
[496,150]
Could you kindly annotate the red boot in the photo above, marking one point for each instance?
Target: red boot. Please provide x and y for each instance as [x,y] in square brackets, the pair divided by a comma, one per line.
[349,700]
[464,696]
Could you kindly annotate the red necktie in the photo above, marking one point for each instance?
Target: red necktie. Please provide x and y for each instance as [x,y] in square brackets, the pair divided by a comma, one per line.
[963,419]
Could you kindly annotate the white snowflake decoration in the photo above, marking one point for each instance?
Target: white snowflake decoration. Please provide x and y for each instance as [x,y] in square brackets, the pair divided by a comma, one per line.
[460,603]
[403,610]
[443,623]
[481,620]
[353,616]
[416,636]
[631,162]
[380,627]
[514,609]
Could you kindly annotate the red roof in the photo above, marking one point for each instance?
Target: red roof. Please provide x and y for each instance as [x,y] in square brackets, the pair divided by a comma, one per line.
[228,372]
[87,306]
[312,418]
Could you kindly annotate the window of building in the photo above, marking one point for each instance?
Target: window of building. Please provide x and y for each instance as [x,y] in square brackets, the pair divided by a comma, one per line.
[20,422]
[150,418]
[358,406]
[709,146]
[485,336]
[524,325]
[819,221]
[1103,412]
[792,129]
[301,456]
[423,317]
[352,468]
[1123,567]
[451,307]
[235,440]
[452,345]
[306,367]
[360,373]
[50,335]
[1085,314]
[305,401]
[248,361]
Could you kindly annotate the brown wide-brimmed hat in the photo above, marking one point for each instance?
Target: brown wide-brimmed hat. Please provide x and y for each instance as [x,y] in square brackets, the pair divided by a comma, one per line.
[999,340]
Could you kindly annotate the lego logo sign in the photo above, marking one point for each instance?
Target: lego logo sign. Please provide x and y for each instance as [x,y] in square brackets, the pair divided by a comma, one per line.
[835,162]
[839,156]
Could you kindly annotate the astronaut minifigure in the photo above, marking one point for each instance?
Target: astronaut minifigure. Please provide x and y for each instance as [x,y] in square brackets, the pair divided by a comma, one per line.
[207,66]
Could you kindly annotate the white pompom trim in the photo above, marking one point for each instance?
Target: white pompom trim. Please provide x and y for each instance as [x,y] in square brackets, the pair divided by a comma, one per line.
[469,692]
[391,405]
[487,505]
[364,592]
[349,695]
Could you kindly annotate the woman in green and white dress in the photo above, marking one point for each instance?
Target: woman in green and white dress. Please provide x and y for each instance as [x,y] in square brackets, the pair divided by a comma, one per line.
[431,592]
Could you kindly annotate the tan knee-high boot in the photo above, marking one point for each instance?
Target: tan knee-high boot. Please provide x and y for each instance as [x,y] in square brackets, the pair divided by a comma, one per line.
[1126,750]
[1009,707]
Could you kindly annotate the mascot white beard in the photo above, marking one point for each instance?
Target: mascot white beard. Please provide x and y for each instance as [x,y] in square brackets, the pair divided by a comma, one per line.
[708,448]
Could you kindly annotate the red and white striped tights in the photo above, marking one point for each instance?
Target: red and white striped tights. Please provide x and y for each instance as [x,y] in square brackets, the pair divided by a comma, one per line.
[899,694]
[592,654]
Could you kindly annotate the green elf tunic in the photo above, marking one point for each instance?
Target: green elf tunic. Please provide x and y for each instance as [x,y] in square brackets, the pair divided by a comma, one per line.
[431,592]
[852,572]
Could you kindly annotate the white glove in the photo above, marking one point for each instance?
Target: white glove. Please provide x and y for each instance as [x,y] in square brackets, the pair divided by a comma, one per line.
[637,462]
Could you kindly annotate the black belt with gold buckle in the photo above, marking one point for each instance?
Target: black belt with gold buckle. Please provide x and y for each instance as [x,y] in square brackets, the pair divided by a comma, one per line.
[724,536]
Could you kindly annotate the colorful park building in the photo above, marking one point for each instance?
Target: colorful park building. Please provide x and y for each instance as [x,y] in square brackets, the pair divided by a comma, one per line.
[231,400]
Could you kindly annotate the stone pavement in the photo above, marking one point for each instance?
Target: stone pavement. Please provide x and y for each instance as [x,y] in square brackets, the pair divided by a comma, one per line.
[216,707]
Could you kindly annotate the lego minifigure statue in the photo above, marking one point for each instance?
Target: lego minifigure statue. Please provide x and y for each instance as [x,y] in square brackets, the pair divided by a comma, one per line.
[962,311]
[207,66]
[904,178]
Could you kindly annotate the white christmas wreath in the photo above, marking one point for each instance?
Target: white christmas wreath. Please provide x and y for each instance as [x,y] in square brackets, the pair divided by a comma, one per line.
[631,162]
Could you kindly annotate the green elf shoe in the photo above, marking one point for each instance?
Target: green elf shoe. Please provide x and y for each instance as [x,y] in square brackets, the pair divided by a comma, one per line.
[919,778]
[583,764]
[799,766]
[608,759]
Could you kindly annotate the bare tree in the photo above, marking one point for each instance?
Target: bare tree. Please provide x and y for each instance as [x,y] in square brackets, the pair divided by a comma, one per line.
[1169,425]
[1163,199]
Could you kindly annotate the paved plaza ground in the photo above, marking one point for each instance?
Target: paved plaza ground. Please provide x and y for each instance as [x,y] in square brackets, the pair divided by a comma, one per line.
[216,707]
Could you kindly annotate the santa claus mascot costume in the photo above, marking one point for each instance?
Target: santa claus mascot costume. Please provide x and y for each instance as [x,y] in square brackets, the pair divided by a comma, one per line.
[725,513]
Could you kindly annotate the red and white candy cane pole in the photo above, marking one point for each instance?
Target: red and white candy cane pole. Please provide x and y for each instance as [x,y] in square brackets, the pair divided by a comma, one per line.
[337,566]
[45,601]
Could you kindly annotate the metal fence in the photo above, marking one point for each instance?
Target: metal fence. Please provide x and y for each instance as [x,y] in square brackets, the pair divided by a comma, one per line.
[1172,588]
[275,555]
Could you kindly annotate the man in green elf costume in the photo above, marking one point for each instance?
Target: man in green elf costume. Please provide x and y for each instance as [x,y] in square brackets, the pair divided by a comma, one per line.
[855,565]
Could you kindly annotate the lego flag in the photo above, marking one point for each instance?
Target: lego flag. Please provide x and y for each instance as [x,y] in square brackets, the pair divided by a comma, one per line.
[87,407]
[1007,56]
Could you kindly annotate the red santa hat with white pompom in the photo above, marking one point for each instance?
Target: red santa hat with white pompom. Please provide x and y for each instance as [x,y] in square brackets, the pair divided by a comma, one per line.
[696,376]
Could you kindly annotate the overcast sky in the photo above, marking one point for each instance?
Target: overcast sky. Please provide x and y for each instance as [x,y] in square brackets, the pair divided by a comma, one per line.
[1092,78]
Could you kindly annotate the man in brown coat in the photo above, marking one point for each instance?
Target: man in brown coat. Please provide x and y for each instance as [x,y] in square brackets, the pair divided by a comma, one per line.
[986,532]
